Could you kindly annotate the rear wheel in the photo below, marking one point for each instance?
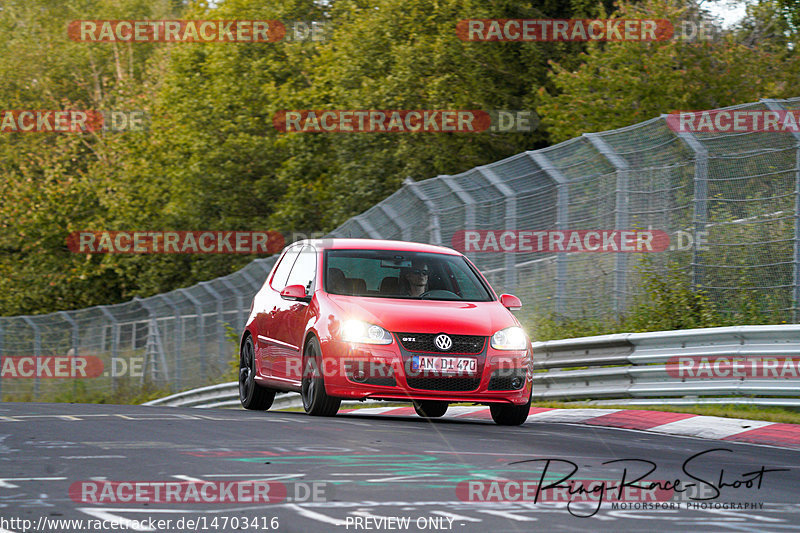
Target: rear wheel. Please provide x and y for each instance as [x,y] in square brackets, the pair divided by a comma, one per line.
[251,394]
[316,401]
[430,408]
[510,415]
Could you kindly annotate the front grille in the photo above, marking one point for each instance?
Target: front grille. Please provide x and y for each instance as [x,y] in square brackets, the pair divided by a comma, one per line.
[423,342]
[501,379]
[444,384]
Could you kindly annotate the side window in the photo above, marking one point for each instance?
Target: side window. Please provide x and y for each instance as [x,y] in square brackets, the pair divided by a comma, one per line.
[284,267]
[304,269]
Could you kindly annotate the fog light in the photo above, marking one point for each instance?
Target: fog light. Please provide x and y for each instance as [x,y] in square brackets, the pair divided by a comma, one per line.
[516,383]
[359,376]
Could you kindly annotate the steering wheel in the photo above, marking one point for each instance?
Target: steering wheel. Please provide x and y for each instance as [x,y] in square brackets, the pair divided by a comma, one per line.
[438,292]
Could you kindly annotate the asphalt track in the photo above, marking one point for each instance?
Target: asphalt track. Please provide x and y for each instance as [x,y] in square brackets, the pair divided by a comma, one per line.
[371,468]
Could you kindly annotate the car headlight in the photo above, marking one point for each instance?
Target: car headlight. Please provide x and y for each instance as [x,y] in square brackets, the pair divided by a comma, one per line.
[365,333]
[512,338]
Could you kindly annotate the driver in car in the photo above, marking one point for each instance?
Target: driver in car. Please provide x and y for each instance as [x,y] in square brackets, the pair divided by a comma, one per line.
[415,279]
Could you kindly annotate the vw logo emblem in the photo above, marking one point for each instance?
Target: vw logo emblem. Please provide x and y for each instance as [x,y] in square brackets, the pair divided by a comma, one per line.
[443,342]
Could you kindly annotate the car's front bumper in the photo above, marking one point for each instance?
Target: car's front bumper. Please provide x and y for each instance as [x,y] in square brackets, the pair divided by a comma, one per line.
[358,371]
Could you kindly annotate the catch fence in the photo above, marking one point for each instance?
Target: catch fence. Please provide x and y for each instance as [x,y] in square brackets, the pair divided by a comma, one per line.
[730,203]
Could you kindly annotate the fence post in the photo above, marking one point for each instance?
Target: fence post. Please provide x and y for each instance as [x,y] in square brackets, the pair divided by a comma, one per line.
[175,384]
[201,326]
[562,223]
[220,319]
[700,209]
[434,228]
[367,226]
[253,283]
[774,105]
[510,221]
[75,341]
[392,215]
[620,214]
[239,302]
[466,198]
[2,346]
[114,342]
[157,361]
[37,351]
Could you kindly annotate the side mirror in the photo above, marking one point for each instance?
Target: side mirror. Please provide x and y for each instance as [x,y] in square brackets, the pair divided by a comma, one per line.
[510,302]
[295,292]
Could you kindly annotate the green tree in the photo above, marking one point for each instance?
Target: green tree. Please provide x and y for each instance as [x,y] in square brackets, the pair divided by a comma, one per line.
[621,83]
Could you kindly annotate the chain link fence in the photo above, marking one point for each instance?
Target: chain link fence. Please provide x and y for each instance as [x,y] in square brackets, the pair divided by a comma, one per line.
[734,195]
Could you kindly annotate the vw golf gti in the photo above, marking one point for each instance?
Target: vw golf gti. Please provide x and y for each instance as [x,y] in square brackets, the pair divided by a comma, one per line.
[386,320]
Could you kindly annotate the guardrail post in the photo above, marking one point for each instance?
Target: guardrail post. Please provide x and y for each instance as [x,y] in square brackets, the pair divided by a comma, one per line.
[510,220]
[620,214]
[434,228]
[700,209]
[201,326]
[220,319]
[562,223]
[774,105]
[37,351]
[175,384]
[75,341]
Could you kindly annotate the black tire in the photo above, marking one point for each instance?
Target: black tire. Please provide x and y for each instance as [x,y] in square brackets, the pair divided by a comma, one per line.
[430,408]
[509,414]
[251,394]
[316,401]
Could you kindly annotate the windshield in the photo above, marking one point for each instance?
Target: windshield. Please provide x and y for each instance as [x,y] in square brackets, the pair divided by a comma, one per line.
[402,274]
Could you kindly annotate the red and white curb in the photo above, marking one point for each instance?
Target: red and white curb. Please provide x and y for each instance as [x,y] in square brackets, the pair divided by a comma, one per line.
[706,427]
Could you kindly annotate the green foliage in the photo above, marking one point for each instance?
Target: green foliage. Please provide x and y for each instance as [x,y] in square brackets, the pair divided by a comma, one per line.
[211,158]
[669,303]
[621,83]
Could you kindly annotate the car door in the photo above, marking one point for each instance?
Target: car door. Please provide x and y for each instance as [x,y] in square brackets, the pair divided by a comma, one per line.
[266,304]
[290,319]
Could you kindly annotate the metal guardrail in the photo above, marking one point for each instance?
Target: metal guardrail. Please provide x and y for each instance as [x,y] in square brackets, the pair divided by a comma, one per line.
[623,368]
[631,367]
[226,395]
[222,395]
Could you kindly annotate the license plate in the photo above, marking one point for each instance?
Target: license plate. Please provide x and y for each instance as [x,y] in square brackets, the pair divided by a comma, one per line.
[444,365]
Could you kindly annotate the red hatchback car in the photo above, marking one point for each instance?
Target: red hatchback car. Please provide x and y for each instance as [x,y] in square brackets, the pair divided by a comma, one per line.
[389,320]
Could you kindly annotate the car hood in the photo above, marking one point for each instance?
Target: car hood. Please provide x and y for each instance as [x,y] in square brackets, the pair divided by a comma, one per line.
[426,316]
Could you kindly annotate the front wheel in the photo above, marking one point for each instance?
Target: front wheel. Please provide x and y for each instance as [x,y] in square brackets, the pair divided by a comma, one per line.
[316,401]
[430,408]
[251,394]
[510,415]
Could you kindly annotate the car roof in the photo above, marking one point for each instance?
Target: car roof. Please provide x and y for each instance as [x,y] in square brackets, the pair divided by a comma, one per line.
[376,244]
